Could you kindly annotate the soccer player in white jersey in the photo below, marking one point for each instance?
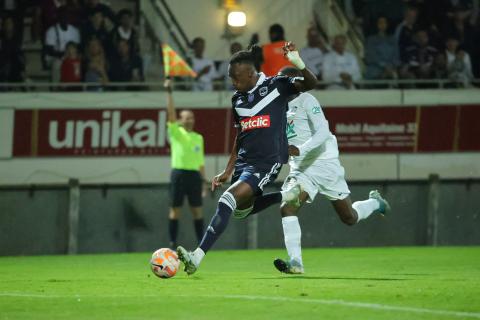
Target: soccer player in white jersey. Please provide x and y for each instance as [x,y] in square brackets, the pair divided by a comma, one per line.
[315,166]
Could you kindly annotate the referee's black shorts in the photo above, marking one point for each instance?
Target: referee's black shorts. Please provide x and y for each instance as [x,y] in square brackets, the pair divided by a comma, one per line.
[185,183]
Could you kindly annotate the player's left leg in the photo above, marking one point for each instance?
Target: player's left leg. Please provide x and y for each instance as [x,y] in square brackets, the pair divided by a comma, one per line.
[351,214]
[262,202]
[237,194]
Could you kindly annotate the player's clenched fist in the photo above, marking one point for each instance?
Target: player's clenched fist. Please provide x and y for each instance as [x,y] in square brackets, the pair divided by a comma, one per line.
[291,53]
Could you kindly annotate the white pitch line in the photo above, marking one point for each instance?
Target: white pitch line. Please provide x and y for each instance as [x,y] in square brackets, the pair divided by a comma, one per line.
[364,305]
[374,306]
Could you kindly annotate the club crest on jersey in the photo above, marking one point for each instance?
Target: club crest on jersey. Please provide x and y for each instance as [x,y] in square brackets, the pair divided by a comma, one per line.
[251,96]
[263,91]
[256,122]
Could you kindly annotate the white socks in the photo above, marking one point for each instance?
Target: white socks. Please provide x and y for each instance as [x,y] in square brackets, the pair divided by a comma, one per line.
[293,235]
[197,256]
[365,208]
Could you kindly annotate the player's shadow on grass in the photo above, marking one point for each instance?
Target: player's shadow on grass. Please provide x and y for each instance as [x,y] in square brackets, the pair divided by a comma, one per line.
[330,278]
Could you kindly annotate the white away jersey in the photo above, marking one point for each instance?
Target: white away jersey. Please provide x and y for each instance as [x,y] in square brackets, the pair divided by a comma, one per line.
[307,129]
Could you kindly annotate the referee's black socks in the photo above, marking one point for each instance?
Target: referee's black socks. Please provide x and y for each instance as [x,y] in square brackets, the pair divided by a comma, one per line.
[199,227]
[173,231]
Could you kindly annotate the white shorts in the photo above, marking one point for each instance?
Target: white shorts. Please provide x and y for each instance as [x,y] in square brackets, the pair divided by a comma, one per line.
[323,176]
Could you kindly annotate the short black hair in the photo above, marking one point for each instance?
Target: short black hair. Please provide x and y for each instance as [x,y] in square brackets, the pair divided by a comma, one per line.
[197,39]
[252,56]
[277,28]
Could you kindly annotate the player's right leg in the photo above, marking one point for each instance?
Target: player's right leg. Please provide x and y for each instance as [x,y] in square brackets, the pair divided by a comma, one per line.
[239,194]
[351,214]
[292,234]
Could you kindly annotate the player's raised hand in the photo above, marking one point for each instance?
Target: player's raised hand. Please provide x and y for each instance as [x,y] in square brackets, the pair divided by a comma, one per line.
[219,180]
[289,46]
[291,53]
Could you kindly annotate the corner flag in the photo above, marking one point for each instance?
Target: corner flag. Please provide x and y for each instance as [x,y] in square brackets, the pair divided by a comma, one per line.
[174,65]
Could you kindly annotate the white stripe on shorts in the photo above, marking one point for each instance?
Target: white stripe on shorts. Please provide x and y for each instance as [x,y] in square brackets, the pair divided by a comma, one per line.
[266,179]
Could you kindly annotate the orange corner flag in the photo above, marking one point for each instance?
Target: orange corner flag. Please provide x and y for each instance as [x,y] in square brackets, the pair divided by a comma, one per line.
[174,65]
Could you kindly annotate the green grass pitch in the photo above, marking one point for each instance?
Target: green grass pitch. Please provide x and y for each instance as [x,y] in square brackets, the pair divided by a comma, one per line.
[378,283]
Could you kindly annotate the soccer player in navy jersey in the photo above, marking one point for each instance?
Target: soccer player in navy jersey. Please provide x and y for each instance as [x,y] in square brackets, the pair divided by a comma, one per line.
[261,147]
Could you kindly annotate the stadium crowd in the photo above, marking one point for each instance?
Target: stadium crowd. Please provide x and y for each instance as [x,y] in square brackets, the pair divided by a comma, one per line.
[81,41]
[403,39]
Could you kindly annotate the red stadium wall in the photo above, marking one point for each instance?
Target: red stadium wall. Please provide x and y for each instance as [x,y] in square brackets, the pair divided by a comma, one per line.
[141,132]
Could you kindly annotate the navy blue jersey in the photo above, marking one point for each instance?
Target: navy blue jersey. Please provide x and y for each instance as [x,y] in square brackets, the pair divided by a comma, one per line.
[260,115]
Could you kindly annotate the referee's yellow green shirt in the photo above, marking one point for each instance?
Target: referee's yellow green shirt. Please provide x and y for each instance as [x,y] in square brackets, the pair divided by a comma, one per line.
[186,147]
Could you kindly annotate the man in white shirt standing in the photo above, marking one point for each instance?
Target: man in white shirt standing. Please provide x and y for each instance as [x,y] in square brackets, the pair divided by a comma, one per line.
[56,39]
[204,67]
[340,67]
[313,53]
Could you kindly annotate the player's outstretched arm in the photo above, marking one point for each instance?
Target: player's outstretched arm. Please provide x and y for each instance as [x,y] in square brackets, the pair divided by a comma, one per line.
[171,113]
[219,179]
[309,79]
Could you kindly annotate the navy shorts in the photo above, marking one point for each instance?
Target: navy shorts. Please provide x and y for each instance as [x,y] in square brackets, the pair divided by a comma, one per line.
[257,177]
[185,183]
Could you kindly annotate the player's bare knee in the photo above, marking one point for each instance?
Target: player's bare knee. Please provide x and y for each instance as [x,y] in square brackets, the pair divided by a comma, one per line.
[287,210]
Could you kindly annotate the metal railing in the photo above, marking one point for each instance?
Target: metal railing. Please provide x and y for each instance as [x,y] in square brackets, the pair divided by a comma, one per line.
[220,85]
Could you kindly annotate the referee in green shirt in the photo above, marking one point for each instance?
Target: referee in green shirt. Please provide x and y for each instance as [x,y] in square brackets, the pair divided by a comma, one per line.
[188,170]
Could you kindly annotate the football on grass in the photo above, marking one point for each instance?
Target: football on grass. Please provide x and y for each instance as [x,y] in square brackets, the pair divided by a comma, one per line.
[164,263]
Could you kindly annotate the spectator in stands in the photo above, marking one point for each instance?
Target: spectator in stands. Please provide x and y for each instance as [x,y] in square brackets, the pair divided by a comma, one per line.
[48,12]
[314,52]
[75,11]
[95,5]
[440,68]
[462,7]
[419,58]
[94,27]
[56,40]
[393,10]
[451,50]
[17,11]
[272,53]
[340,67]
[12,67]
[381,53]
[223,68]
[95,65]
[404,34]
[460,29]
[71,70]
[204,67]
[126,67]
[460,69]
[125,31]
